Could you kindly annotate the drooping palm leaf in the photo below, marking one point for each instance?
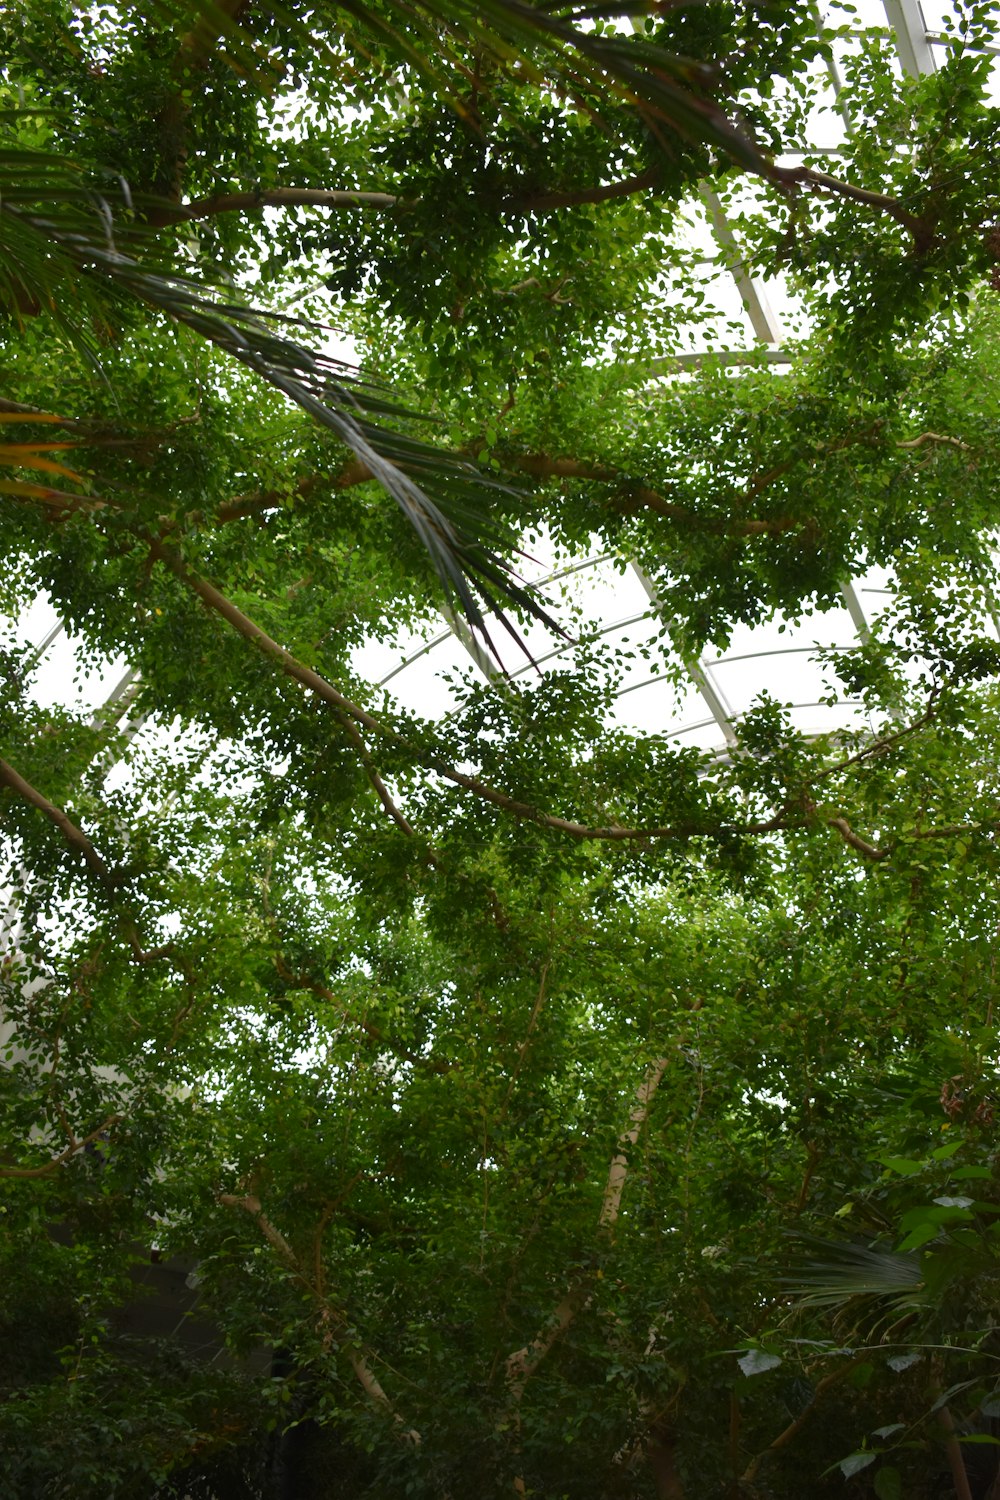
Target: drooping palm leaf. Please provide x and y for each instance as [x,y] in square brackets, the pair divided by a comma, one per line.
[64,259]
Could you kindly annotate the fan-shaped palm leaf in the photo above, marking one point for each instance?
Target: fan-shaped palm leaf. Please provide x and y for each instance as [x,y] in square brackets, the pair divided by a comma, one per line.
[840,1269]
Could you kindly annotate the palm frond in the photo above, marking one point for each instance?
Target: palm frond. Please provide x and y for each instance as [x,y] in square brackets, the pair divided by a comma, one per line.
[840,1270]
[64,258]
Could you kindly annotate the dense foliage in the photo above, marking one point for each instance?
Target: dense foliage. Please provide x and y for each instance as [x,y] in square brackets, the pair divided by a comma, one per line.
[536,1108]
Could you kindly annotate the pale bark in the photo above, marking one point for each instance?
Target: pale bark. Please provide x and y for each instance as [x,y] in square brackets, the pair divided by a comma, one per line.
[618,1170]
[522,1364]
[334,1320]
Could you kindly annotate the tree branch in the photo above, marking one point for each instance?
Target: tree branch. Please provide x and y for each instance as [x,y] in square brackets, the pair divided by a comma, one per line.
[193,57]
[110,880]
[297,197]
[522,1364]
[935,437]
[881,202]
[331,1316]
[529,201]
[795,1427]
[618,1170]
[260,198]
[72,1149]
[540,203]
[74,836]
[856,842]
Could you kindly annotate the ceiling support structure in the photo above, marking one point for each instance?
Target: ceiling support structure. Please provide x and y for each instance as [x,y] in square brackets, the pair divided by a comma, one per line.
[763,319]
[849,594]
[909,29]
[697,670]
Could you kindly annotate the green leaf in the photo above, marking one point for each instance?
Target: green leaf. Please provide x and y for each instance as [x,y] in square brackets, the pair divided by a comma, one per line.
[888,1483]
[758,1361]
[902,1165]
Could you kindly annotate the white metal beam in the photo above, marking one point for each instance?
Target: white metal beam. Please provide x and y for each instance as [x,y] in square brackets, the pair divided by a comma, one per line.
[763,319]
[849,594]
[696,670]
[916,55]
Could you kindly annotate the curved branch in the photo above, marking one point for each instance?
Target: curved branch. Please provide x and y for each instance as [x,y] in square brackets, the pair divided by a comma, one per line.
[795,1427]
[881,202]
[331,1317]
[109,880]
[855,840]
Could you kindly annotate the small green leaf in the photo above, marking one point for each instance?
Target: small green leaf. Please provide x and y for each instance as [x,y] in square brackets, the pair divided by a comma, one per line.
[919,1236]
[855,1462]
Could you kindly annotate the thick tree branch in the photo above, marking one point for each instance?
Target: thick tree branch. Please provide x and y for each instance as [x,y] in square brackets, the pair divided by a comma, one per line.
[193,57]
[618,1170]
[935,437]
[109,880]
[347,198]
[260,198]
[522,1364]
[540,203]
[527,201]
[856,842]
[252,1205]
[881,202]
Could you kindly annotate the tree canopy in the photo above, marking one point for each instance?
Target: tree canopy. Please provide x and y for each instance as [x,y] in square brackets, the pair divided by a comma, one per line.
[540,1107]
